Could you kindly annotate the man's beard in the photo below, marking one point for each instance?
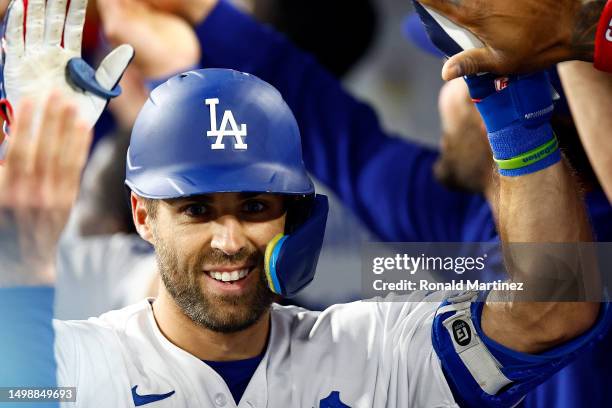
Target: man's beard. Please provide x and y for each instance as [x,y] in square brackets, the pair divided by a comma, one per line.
[219,313]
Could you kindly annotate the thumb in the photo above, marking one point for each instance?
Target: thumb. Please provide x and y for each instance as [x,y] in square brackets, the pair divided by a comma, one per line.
[111,69]
[469,62]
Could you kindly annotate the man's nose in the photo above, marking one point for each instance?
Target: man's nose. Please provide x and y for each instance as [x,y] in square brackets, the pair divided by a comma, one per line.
[228,235]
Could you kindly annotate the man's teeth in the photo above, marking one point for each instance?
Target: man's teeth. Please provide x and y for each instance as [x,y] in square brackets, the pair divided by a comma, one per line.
[229,276]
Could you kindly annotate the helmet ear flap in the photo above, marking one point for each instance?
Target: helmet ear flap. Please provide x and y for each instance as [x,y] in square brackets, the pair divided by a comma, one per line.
[291,260]
[299,209]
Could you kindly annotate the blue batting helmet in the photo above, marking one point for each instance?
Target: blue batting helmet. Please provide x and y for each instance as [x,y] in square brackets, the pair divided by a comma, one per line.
[218,130]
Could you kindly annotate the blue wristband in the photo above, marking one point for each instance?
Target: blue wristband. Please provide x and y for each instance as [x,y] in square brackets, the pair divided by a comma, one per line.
[517,111]
[514,142]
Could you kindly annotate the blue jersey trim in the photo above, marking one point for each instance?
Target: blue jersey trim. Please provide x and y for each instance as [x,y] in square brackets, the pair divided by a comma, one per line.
[236,374]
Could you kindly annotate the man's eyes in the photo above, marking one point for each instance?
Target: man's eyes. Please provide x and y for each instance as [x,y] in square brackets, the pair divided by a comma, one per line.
[254,206]
[196,210]
[251,207]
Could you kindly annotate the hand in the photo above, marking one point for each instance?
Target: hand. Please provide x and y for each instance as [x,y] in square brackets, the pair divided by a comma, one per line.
[521,35]
[165,43]
[39,182]
[36,65]
[194,11]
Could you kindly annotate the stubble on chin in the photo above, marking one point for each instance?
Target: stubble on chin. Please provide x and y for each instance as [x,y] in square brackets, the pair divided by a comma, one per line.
[219,313]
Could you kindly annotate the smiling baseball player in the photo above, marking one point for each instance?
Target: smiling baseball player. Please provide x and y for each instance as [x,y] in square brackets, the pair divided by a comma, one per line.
[220,190]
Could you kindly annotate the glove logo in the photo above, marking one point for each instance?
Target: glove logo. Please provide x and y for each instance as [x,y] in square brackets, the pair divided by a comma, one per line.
[462,333]
[238,133]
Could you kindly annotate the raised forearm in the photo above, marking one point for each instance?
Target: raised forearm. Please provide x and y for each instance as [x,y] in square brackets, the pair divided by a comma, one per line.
[531,208]
[541,217]
[543,207]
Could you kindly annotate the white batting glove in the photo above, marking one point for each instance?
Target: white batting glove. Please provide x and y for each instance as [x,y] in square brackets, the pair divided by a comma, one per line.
[38,64]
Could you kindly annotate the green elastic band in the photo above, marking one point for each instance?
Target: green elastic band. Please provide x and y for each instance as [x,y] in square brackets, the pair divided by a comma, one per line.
[531,157]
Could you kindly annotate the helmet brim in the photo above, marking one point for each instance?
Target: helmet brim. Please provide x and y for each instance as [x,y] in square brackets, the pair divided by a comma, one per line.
[177,182]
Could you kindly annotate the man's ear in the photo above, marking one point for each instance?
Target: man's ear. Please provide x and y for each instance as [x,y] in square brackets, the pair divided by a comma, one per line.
[142,220]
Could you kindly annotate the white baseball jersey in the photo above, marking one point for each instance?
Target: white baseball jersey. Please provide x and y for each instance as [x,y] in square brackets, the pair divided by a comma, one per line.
[363,354]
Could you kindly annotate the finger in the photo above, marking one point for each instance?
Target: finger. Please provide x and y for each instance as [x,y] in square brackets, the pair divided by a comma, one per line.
[114,65]
[20,141]
[54,21]
[469,62]
[80,138]
[62,144]
[70,143]
[35,23]
[14,31]
[83,136]
[75,19]
[47,132]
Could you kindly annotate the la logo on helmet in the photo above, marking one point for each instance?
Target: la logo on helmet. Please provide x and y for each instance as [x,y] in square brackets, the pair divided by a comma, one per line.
[238,133]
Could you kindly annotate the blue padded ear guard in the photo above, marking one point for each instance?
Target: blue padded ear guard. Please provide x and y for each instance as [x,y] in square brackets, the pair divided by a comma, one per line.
[291,260]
